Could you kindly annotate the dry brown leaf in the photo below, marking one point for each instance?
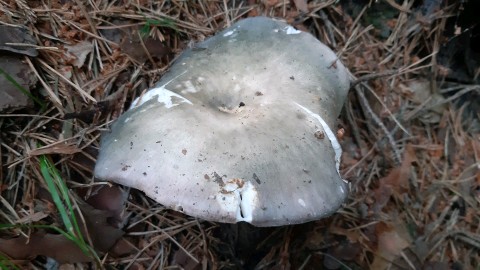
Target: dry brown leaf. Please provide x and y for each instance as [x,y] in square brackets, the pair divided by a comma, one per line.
[184,261]
[58,148]
[49,245]
[110,199]
[391,240]
[104,216]
[398,177]
[122,248]
[100,230]
[301,5]
[77,54]
[140,50]
[396,182]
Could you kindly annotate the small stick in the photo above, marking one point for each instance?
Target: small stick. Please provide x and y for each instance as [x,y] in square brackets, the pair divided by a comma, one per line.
[370,113]
[373,77]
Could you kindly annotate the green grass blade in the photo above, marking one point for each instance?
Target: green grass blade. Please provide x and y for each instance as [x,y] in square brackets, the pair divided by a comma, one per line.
[167,23]
[61,197]
[44,168]
[5,263]
[64,194]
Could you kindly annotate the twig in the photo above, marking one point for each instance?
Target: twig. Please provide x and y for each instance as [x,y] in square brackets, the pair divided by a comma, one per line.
[328,26]
[375,76]
[353,124]
[369,113]
[227,16]
[370,77]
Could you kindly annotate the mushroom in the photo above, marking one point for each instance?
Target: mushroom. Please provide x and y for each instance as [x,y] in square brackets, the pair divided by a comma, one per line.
[239,129]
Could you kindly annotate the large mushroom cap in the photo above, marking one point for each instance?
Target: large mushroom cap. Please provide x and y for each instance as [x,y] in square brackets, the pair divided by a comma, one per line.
[239,129]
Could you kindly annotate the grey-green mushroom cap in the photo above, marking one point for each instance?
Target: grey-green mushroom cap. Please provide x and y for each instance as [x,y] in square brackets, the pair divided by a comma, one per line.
[239,129]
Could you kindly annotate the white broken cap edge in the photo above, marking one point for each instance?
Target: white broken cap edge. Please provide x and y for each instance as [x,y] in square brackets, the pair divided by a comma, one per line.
[331,136]
[163,96]
[289,30]
[240,200]
[229,33]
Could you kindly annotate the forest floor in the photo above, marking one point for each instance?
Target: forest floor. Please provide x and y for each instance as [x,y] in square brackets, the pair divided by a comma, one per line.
[410,132]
